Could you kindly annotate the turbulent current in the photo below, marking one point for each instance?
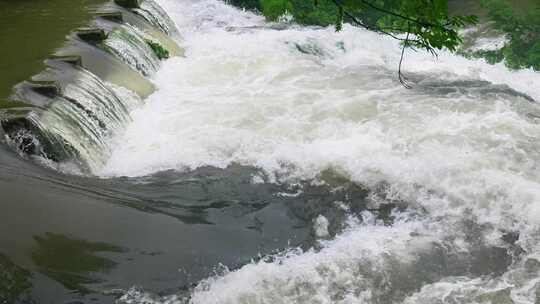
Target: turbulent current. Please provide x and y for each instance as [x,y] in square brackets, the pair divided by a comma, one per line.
[458,153]
[457,156]
[430,194]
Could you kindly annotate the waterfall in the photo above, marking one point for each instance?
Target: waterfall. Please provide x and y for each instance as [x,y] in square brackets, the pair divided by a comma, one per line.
[78,122]
[72,114]
[129,44]
[453,214]
[155,14]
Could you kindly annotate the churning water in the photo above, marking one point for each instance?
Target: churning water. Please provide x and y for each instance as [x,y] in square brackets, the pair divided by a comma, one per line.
[428,195]
[458,155]
[129,44]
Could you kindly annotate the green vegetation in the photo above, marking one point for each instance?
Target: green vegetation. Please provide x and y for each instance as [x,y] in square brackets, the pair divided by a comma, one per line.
[158,49]
[273,9]
[491,56]
[245,4]
[322,13]
[426,23]
[522,30]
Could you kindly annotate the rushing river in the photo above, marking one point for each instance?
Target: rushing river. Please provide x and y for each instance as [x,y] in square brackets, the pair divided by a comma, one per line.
[281,164]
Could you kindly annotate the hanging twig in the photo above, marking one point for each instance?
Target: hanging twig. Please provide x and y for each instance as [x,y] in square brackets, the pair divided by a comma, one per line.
[362,24]
[402,79]
[418,42]
[407,42]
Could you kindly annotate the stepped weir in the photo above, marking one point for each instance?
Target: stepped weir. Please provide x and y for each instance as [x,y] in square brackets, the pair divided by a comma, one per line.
[68,112]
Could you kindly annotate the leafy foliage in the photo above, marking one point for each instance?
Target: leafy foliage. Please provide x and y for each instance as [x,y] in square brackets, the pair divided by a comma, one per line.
[321,12]
[491,56]
[246,4]
[427,21]
[522,30]
[273,9]
[426,24]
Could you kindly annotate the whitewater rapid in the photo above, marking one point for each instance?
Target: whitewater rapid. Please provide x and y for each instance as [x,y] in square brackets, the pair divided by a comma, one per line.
[460,148]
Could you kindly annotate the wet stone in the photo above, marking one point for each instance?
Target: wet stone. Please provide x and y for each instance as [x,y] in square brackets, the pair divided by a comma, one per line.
[46,88]
[128,3]
[113,16]
[511,237]
[91,35]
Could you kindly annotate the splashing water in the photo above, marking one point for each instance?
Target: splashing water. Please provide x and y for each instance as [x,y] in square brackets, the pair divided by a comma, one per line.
[79,122]
[154,14]
[129,44]
[461,149]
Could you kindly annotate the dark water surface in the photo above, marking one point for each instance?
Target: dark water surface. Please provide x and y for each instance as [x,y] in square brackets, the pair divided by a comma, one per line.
[65,238]
[73,237]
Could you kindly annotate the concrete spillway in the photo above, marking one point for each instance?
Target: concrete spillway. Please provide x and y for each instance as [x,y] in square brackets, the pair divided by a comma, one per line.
[67,113]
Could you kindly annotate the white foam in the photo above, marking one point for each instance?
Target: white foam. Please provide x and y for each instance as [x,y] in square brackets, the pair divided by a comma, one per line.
[299,101]
[311,277]
[252,98]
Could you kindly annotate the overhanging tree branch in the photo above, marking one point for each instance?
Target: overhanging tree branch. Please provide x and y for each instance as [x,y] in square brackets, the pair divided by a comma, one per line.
[420,42]
[402,78]
[366,26]
[409,19]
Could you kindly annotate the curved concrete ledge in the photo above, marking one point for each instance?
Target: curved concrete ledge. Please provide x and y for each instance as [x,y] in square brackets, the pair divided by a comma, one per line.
[74,60]
[83,53]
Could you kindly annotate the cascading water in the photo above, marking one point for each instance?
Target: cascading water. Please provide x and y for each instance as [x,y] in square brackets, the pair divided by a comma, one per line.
[78,122]
[129,44]
[76,112]
[429,195]
[458,153]
[154,14]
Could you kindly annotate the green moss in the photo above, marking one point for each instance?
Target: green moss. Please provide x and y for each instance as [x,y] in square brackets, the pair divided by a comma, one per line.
[158,49]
